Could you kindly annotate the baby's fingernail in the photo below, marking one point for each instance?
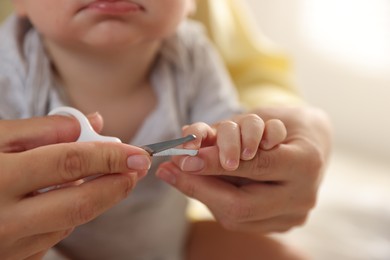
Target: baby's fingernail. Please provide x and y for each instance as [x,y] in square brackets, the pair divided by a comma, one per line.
[192,164]
[166,176]
[247,154]
[265,145]
[231,164]
[138,162]
[93,117]
[190,145]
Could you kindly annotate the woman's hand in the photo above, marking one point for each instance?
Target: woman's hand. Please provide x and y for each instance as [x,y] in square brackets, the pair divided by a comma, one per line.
[275,190]
[36,154]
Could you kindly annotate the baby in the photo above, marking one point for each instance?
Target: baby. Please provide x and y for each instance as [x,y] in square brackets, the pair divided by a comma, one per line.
[153,75]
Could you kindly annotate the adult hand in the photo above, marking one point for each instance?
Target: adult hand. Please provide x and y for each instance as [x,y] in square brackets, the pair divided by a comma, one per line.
[276,190]
[35,154]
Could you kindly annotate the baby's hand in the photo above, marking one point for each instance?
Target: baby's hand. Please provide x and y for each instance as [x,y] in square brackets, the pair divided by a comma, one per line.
[237,139]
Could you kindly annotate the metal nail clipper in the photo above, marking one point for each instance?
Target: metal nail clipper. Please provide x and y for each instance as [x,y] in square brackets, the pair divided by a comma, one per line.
[87,134]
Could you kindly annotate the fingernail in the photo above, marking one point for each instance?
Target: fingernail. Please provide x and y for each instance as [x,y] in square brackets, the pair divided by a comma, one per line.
[93,117]
[247,154]
[138,162]
[231,164]
[192,164]
[265,145]
[166,176]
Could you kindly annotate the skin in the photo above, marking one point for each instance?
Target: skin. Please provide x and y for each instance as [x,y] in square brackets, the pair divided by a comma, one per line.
[277,187]
[274,191]
[31,222]
[233,245]
[74,24]
[93,52]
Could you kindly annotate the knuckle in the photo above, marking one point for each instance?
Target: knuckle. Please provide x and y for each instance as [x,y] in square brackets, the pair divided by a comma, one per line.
[72,165]
[228,224]
[300,220]
[248,116]
[237,211]
[75,164]
[316,163]
[201,125]
[283,229]
[254,118]
[228,123]
[262,162]
[112,160]
[303,203]
[309,202]
[81,212]
[189,189]
[198,127]
[128,185]
[292,222]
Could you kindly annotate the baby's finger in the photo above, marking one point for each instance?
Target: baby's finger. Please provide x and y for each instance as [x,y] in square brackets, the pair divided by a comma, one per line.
[204,133]
[229,144]
[252,127]
[275,132]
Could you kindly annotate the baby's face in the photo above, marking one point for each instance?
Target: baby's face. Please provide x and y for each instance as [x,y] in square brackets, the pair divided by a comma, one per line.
[103,22]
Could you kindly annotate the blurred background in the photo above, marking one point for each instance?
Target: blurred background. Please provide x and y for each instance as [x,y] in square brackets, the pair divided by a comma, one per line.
[340,50]
[341,55]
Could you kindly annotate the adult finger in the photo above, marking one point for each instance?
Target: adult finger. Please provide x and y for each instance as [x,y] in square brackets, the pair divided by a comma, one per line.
[24,134]
[62,163]
[280,164]
[226,199]
[79,204]
[37,256]
[265,166]
[31,247]
[241,208]
[35,247]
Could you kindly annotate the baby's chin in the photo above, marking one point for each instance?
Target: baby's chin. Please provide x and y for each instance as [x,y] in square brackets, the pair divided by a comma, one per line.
[111,38]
